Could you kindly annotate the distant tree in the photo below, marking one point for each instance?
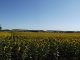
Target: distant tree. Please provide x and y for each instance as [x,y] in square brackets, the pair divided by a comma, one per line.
[0,27]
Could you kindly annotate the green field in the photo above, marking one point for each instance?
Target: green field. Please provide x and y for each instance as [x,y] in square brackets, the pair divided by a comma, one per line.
[39,46]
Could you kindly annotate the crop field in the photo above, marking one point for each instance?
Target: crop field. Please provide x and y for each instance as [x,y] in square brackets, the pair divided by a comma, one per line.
[39,46]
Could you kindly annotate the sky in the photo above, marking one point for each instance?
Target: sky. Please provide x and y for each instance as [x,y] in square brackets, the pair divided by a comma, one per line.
[40,14]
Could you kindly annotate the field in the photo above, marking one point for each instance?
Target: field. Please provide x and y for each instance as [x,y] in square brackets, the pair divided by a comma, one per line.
[39,46]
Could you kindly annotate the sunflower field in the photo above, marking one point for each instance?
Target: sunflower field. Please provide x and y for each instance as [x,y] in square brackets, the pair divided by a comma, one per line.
[39,46]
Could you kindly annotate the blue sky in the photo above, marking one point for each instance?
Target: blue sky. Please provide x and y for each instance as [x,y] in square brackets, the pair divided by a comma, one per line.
[40,14]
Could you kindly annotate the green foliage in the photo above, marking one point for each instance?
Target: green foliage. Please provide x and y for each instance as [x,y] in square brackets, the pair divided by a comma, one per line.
[0,27]
[27,47]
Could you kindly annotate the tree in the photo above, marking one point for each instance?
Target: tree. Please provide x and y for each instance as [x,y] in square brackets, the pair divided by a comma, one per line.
[0,27]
